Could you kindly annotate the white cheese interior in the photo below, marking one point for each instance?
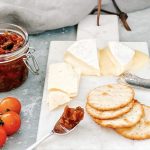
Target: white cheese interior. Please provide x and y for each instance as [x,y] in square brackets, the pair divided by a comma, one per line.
[64,77]
[111,67]
[57,98]
[83,55]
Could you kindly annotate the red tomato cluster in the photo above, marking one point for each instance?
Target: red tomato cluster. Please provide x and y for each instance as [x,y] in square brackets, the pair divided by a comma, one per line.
[10,120]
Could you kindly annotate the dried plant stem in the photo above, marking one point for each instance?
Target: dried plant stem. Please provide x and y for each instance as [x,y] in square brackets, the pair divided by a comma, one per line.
[99,11]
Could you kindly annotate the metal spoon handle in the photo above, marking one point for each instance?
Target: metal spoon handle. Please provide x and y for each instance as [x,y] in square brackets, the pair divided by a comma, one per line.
[40,141]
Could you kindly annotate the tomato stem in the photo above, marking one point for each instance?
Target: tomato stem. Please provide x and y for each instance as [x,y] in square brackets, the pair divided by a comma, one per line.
[1,122]
[7,110]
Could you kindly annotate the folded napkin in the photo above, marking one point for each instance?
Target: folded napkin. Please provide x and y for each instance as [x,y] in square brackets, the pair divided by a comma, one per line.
[40,15]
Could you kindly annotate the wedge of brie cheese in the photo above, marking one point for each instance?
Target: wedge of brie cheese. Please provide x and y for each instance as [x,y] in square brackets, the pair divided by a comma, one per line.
[118,58]
[83,56]
[63,77]
[122,55]
[115,59]
[139,60]
[57,98]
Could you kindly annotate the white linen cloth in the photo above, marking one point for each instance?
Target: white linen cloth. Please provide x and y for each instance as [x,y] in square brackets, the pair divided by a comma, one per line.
[41,15]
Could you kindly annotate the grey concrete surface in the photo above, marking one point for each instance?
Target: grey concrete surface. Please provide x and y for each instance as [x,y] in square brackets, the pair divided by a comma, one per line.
[30,93]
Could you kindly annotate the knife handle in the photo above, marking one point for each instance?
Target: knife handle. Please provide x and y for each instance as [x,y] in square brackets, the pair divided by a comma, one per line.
[134,80]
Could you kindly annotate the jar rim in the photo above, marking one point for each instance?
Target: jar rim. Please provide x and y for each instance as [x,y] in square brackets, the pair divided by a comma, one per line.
[26,38]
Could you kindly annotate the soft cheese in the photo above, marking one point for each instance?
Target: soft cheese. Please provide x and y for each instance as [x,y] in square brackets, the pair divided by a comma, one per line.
[83,56]
[122,55]
[115,60]
[106,65]
[57,98]
[139,60]
[63,77]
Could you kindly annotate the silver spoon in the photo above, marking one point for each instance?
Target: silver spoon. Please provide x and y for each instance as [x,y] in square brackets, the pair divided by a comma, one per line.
[66,131]
[66,124]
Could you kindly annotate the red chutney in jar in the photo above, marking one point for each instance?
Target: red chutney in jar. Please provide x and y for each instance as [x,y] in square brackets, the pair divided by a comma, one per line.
[12,72]
[69,119]
[10,42]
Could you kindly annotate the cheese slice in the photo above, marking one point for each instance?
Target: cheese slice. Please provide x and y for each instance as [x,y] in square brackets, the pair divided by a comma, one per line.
[83,56]
[63,77]
[57,98]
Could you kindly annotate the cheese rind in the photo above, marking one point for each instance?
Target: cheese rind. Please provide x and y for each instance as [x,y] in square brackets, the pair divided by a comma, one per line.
[83,56]
[63,77]
[120,55]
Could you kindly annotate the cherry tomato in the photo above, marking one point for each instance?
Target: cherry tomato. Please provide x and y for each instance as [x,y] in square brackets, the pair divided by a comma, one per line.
[10,103]
[3,137]
[11,122]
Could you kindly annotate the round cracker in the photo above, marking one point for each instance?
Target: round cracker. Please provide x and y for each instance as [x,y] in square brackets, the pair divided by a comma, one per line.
[127,120]
[141,130]
[108,114]
[110,97]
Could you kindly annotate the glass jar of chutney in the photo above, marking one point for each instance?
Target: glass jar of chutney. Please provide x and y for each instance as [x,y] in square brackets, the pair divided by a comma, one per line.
[15,57]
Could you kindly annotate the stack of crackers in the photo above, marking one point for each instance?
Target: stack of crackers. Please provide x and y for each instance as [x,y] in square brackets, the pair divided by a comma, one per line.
[114,106]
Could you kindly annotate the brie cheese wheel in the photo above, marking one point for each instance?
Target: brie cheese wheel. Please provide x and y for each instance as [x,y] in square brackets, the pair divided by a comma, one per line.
[63,77]
[83,56]
[57,98]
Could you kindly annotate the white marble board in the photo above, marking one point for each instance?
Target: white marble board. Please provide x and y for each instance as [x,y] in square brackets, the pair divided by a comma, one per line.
[107,31]
[88,135]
